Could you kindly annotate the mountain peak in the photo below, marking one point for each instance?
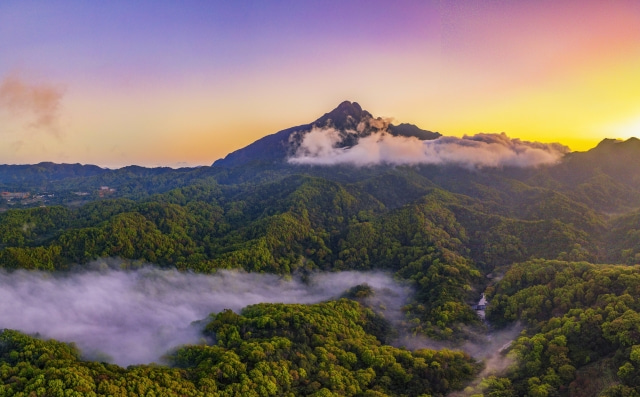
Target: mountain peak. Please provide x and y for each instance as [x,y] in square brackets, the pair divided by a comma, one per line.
[348,106]
[346,115]
[608,144]
[614,157]
[349,120]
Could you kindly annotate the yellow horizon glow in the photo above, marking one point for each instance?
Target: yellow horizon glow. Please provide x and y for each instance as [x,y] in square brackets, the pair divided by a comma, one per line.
[565,72]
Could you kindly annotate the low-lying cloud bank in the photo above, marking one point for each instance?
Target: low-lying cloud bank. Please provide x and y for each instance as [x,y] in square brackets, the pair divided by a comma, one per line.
[134,317]
[320,147]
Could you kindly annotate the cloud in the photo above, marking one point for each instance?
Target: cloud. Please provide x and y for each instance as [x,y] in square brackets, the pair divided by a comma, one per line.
[494,352]
[492,349]
[38,103]
[320,147]
[134,317]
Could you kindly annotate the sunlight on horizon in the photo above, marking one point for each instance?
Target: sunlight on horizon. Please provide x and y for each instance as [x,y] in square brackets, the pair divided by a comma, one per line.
[627,129]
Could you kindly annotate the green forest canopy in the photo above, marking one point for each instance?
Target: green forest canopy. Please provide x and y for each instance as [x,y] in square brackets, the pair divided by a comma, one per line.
[449,232]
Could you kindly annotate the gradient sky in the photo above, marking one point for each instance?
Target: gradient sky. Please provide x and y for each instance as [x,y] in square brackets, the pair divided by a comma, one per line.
[184,83]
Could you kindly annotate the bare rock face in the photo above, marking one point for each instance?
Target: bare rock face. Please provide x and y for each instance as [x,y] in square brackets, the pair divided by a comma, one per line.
[348,119]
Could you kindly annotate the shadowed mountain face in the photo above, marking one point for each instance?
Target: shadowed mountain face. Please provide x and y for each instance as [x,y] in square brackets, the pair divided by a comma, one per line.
[605,177]
[618,159]
[348,119]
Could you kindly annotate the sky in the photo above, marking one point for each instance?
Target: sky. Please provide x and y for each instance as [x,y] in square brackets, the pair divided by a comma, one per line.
[168,83]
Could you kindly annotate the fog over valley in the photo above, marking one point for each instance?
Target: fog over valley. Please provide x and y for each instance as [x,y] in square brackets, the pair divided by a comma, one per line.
[321,199]
[136,316]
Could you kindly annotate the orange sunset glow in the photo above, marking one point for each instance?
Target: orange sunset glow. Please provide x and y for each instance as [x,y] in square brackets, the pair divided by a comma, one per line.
[183,84]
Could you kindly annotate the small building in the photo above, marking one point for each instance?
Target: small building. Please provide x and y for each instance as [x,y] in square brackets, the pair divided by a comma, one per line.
[16,195]
[105,190]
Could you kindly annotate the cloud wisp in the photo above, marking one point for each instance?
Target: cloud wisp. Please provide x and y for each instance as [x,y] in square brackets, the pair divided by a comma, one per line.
[135,317]
[37,103]
[321,147]
[494,352]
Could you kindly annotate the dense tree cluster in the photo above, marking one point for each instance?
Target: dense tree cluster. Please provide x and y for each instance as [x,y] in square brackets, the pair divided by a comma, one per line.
[267,350]
[295,224]
[445,230]
[583,327]
[441,241]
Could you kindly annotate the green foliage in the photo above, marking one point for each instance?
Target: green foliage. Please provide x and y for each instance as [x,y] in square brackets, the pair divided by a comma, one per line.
[33,367]
[440,229]
[268,350]
[321,347]
[578,314]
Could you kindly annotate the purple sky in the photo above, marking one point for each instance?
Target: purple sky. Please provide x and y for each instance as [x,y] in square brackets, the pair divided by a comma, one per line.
[184,83]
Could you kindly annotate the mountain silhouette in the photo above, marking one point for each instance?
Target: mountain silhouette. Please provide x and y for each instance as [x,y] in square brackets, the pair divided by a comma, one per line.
[617,159]
[349,119]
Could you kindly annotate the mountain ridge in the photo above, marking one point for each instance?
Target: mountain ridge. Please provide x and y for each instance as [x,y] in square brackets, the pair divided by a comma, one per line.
[348,118]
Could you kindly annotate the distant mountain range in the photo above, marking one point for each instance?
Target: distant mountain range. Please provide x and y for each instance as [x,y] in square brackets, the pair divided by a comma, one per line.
[614,159]
[618,159]
[604,177]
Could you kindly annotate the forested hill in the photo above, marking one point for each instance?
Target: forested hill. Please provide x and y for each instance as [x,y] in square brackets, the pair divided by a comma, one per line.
[42,173]
[529,236]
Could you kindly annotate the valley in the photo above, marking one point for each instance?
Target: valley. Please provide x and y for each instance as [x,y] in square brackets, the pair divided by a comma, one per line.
[560,271]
